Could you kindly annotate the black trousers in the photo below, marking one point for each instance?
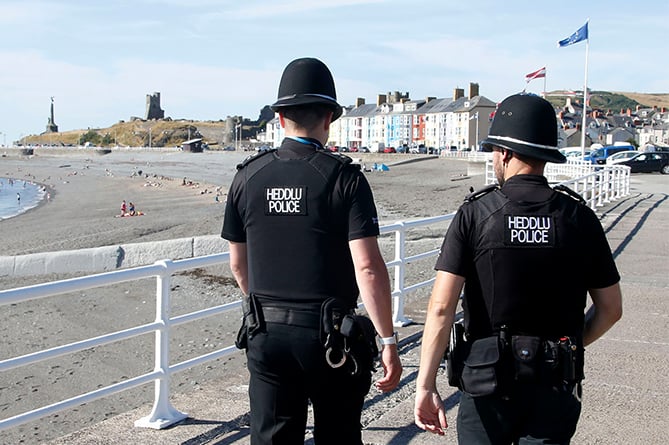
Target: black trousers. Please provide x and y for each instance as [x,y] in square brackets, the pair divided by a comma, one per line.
[532,414]
[288,368]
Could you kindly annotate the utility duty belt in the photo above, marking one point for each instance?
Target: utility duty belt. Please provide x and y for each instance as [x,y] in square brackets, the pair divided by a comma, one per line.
[349,339]
[492,365]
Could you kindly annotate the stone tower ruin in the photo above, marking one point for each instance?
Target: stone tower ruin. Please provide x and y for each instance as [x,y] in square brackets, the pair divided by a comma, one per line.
[153,110]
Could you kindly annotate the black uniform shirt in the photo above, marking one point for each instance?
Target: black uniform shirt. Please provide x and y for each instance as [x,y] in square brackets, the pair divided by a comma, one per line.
[298,271]
[528,254]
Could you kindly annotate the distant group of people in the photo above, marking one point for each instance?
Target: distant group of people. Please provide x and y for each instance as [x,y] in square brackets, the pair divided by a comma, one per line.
[128,209]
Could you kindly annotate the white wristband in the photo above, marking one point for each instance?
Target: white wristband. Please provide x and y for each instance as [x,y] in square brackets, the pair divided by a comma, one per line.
[389,340]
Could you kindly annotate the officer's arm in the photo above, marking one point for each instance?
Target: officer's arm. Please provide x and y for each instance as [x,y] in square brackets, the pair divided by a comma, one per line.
[429,411]
[606,310]
[239,266]
[371,275]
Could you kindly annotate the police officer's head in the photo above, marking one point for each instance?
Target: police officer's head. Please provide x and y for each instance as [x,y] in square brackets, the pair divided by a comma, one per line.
[525,124]
[306,83]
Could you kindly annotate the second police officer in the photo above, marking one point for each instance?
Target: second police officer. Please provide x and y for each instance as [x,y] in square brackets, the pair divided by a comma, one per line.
[527,256]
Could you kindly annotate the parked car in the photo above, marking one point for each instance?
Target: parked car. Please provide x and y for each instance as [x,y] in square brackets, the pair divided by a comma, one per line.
[599,155]
[620,157]
[649,162]
[389,150]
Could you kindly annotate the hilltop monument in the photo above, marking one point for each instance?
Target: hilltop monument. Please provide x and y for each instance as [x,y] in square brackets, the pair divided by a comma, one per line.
[51,126]
[153,110]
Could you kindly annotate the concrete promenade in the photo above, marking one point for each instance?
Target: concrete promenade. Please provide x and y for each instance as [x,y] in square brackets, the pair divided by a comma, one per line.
[626,384]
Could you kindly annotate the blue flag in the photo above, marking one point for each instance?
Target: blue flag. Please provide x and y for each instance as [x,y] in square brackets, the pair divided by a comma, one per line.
[578,36]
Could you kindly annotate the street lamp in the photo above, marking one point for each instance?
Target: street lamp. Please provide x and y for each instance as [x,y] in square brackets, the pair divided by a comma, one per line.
[238,135]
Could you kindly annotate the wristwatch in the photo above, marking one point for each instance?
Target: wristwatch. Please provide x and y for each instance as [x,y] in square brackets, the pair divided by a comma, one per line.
[389,340]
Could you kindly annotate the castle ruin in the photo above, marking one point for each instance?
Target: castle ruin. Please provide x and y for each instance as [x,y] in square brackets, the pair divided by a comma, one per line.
[153,110]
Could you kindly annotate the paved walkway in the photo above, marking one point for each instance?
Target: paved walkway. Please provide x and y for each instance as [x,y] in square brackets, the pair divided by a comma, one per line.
[626,384]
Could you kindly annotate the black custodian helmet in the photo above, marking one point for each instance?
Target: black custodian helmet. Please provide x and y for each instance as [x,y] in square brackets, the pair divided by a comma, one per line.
[307,81]
[525,124]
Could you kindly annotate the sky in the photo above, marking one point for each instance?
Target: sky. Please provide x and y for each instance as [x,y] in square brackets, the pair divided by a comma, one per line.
[211,59]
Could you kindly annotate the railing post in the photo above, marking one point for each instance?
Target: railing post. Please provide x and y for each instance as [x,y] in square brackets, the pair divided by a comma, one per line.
[597,178]
[163,414]
[399,319]
[607,184]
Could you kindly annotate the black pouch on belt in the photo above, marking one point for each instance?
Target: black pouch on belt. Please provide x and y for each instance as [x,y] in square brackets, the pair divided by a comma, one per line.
[526,352]
[480,376]
[250,321]
[360,337]
[455,354]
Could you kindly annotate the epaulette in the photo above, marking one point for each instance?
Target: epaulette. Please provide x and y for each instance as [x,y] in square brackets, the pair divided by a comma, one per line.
[338,156]
[473,196]
[254,157]
[569,192]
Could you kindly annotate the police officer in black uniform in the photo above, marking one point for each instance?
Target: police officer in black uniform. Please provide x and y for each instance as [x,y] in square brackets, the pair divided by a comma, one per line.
[302,227]
[527,256]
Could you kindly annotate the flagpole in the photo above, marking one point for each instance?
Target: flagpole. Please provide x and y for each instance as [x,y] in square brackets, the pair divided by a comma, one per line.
[585,92]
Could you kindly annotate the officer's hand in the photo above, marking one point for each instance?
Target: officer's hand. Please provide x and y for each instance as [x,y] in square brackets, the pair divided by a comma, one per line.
[392,369]
[429,414]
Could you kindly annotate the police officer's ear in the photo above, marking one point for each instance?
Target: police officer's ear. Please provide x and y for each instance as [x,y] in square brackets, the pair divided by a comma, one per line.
[506,155]
[282,119]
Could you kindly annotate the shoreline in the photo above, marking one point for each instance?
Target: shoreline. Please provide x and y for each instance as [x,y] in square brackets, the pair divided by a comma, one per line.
[43,191]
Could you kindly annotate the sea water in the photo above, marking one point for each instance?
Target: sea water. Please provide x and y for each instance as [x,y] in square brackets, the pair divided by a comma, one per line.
[10,189]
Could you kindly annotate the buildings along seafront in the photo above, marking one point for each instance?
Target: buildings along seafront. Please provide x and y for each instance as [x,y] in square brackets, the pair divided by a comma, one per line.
[395,120]
[461,121]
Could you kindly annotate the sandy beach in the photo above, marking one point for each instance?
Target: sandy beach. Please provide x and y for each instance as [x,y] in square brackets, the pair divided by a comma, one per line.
[86,190]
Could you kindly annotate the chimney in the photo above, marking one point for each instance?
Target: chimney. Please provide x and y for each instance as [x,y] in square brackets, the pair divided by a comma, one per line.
[359,101]
[473,89]
[380,99]
[638,107]
[458,93]
[664,110]
[629,112]
[428,99]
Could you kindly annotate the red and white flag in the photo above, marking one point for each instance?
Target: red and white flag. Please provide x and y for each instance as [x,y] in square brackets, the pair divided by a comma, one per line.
[536,75]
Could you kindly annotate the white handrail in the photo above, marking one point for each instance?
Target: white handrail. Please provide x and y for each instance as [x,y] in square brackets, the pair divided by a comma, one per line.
[163,413]
[597,184]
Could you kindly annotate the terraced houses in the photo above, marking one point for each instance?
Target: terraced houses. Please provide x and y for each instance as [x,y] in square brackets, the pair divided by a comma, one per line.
[461,121]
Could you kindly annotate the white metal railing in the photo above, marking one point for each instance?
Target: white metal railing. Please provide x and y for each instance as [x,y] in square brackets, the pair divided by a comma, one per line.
[597,184]
[163,413]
